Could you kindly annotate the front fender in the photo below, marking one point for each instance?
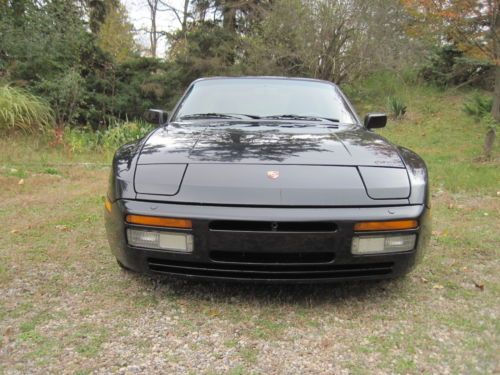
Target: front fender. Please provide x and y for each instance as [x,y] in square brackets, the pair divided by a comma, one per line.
[418,175]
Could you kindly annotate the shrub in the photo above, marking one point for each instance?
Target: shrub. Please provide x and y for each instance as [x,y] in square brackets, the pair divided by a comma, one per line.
[397,107]
[85,139]
[478,106]
[122,133]
[65,93]
[449,66]
[20,110]
[81,139]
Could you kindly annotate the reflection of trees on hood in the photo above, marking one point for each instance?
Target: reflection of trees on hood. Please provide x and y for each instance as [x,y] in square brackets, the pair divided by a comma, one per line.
[235,145]
[364,142]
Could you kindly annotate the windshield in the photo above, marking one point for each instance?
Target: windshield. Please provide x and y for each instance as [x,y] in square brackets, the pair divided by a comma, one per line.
[264,97]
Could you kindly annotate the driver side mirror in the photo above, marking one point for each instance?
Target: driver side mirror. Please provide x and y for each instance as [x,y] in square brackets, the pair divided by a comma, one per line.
[375,120]
[156,116]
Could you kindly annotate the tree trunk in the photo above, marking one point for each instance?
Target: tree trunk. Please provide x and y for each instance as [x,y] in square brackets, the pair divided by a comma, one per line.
[495,108]
[185,15]
[229,16]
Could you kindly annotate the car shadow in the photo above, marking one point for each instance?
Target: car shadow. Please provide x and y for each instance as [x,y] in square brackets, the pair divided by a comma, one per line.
[261,293]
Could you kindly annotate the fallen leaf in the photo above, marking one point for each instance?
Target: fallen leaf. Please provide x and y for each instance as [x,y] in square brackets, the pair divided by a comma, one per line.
[21,181]
[13,170]
[437,286]
[14,231]
[424,280]
[479,286]
[213,312]
[7,335]
[63,228]
[450,206]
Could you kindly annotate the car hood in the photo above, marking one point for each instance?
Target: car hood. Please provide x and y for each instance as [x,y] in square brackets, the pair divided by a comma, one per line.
[265,165]
[265,143]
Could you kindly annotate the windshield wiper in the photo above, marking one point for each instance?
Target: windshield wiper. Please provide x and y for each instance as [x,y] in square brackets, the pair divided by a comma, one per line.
[217,115]
[299,117]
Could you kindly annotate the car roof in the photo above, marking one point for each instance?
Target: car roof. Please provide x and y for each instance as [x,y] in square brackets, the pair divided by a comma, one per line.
[263,77]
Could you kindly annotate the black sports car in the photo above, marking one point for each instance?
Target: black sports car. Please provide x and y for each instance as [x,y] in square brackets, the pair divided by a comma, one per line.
[269,179]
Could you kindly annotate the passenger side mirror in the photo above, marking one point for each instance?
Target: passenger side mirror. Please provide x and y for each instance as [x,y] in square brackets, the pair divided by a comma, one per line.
[156,116]
[375,120]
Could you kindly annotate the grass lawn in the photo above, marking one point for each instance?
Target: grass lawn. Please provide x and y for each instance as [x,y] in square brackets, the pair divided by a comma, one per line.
[66,307]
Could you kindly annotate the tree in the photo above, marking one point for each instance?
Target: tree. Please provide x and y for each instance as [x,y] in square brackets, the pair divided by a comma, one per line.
[116,34]
[473,26]
[330,39]
[154,35]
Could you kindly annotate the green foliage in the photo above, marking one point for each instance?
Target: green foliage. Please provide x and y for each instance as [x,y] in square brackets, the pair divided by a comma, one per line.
[129,89]
[489,122]
[120,134]
[478,106]
[116,34]
[204,50]
[20,110]
[378,86]
[448,66]
[397,107]
[80,140]
[65,94]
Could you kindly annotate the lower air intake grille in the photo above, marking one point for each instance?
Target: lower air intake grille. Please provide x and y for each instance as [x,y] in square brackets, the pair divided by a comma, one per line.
[269,272]
[269,258]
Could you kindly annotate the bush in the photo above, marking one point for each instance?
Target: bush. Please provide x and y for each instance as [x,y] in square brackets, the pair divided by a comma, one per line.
[397,107]
[449,66]
[65,94]
[20,110]
[123,133]
[78,140]
[85,139]
[478,106]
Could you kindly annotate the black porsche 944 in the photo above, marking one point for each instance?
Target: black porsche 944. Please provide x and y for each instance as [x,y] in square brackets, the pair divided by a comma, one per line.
[267,179]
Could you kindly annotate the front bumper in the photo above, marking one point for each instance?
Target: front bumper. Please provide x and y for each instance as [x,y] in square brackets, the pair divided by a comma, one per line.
[300,256]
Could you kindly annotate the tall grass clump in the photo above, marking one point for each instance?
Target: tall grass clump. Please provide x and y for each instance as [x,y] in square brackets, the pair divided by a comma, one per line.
[397,107]
[20,110]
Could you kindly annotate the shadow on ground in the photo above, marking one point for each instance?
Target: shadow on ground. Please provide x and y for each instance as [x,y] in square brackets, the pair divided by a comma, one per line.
[261,293]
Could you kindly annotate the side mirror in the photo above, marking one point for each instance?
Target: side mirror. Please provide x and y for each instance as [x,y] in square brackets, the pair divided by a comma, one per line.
[156,116]
[375,120]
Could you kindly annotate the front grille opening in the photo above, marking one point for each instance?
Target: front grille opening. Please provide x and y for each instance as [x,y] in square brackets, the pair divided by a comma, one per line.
[272,226]
[265,257]
[269,272]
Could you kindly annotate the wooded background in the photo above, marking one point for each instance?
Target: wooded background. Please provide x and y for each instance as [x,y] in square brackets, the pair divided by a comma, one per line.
[81,58]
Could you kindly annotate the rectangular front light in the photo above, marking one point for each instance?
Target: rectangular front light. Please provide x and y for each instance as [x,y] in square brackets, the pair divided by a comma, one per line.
[159,240]
[383,244]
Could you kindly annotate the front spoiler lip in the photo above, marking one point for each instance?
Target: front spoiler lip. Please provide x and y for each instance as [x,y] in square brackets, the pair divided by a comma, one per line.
[256,280]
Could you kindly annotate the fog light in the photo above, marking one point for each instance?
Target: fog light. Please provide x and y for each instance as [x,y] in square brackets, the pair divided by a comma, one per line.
[383,244]
[171,241]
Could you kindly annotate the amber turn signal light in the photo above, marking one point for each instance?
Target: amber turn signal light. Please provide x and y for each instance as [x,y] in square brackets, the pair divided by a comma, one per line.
[385,225]
[159,221]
